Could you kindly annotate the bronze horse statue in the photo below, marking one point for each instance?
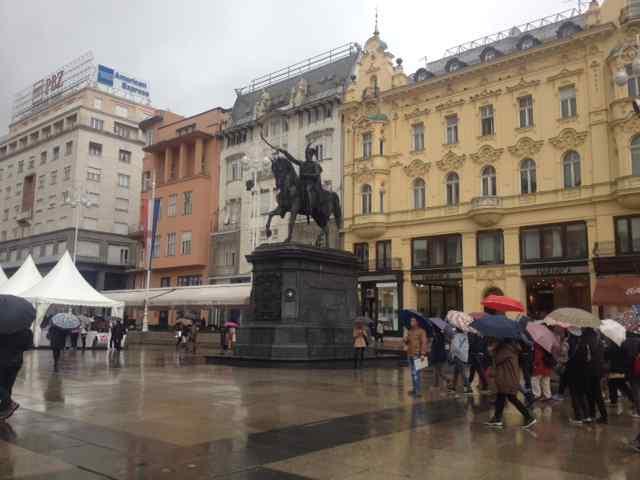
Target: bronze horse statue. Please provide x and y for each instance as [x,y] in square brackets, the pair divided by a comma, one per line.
[302,197]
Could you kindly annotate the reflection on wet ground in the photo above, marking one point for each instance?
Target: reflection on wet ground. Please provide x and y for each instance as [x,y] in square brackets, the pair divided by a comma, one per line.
[147,414]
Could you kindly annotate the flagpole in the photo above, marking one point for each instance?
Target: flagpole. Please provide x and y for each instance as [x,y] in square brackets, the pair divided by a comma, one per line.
[145,318]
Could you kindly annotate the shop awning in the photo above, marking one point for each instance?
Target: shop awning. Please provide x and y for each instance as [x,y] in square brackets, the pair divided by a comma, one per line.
[205,295]
[617,291]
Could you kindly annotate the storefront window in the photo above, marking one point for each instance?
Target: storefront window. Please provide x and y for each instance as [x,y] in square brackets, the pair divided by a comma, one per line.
[490,248]
[628,235]
[435,300]
[388,304]
[554,242]
[437,251]
[361,250]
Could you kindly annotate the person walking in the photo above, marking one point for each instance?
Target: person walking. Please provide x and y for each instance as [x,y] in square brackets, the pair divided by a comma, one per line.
[74,335]
[438,358]
[118,334]
[560,351]
[617,375]
[477,357]
[58,339]
[576,381]
[380,332]
[631,352]
[193,337]
[360,340]
[12,347]
[543,364]
[590,349]
[507,378]
[83,336]
[459,358]
[417,349]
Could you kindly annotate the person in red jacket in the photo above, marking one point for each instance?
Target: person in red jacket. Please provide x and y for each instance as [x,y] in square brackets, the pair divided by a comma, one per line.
[543,363]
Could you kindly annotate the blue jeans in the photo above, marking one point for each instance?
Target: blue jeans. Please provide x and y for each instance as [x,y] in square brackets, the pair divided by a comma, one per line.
[415,374]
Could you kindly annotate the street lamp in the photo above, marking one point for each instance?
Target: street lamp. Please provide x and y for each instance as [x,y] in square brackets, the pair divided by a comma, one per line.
[252,167]
[77,202]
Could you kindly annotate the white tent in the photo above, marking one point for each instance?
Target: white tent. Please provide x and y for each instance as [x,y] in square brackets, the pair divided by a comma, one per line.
[26,277]
[3,277]
[65,285]
[236,294]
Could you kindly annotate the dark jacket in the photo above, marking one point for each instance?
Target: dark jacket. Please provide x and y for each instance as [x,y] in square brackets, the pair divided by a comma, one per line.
[57,337]
[506,369]
[438,351]
[630,350]
[614,357]
[13,345]
[589,355]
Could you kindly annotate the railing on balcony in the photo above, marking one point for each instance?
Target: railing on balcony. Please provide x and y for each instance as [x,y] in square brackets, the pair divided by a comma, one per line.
[604,249]
[25,216]
[381,265]
[486,202]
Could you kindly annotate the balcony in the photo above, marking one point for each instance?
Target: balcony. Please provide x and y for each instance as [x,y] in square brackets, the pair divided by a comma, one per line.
[604,249]
[627,191]
[25,216]
[137,232]
[381,265]
[630,14]
[486,211]
[369,226]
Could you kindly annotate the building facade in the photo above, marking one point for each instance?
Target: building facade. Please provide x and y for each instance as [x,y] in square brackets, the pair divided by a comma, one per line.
[293,107]
[183,158]
[510,166]
[85,148]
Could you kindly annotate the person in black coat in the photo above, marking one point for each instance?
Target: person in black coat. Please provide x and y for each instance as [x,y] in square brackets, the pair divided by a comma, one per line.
[478,355]
[12,346]
[438,357]
[590,363]
[617,381]
[630,351]
[58,339]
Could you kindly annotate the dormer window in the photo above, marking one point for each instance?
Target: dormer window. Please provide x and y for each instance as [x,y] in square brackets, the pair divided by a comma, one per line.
[454,65]
[489,54]
[423,74]
[567,30]
[527,42]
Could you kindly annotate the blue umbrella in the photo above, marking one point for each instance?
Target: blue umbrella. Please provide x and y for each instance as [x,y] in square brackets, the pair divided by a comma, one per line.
[497,326]
[443,326]
[65,321]
[407,314]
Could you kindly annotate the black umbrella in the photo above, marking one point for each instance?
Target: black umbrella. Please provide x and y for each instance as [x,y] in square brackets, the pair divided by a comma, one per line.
[497,326]
[15,314]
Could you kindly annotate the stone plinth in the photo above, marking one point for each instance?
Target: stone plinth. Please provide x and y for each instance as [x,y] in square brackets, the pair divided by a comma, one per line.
[303,302]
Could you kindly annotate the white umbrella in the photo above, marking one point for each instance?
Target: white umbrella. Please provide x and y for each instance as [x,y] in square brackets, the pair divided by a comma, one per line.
[613,331]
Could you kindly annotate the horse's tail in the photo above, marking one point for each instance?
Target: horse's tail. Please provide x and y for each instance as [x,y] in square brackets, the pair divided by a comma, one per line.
[337,210]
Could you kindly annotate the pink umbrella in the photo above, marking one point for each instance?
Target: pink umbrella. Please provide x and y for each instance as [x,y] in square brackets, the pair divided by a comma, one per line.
[460,320]
[541,335]
[231,325]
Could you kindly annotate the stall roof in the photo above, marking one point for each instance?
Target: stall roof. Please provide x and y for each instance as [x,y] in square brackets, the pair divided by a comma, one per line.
[236,294]
[617,291]
[26,277]
[65,285]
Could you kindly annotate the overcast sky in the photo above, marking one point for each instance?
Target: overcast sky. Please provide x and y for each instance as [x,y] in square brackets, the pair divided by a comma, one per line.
[194,53]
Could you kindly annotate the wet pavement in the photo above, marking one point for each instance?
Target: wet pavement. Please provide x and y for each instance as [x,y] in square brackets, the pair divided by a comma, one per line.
[152,414]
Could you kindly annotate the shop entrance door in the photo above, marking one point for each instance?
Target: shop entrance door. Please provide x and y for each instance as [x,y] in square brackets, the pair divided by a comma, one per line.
[545,294]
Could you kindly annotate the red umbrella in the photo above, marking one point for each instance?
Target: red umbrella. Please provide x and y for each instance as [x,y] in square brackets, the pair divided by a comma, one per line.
[501,303]
[231,325]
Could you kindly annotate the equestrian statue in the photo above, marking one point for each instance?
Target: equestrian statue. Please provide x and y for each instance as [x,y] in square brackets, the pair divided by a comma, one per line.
[302,194]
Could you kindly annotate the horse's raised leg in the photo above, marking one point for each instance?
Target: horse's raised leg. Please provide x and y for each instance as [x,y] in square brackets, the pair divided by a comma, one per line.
[272,214]
[292,221]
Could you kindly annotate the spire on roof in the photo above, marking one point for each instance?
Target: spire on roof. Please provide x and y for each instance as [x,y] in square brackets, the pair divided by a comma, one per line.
[376,32]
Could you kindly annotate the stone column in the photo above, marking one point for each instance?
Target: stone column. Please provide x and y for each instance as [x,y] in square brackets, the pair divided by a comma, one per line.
[199,157]
[182,161]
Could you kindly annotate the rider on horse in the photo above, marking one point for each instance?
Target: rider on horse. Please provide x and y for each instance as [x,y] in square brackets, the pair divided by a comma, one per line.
[310,174]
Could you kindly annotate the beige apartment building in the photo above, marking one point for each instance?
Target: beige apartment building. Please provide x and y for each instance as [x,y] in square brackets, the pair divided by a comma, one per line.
[76,152]
[511,165]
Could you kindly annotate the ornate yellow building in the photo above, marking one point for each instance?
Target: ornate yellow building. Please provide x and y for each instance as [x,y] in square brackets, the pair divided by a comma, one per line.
[508,166]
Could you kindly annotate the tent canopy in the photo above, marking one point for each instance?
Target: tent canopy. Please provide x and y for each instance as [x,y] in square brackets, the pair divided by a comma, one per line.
[3,277]
[204,295]
[26,277]
[66,286]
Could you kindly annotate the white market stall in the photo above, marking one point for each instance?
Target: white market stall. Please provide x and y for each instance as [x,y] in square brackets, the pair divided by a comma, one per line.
[25,278]
[65,285]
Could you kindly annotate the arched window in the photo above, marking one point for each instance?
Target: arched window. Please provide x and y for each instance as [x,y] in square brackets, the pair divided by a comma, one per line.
[488,176]
[635,156]
[528,182]
[568,29]
[453,189]
[365,193]
[527,42]
[419,193]
[572,174]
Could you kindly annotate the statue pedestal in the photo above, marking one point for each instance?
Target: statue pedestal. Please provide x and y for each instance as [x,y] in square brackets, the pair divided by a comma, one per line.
[303,300]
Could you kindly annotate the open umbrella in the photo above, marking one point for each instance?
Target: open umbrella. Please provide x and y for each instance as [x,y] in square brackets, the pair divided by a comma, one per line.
[501,303]
[231,325]
[575,317]
[65,321]
[497,326]
[15,314]
[407,314]
[460,320]
[613,331]
[541,335]
[630,322]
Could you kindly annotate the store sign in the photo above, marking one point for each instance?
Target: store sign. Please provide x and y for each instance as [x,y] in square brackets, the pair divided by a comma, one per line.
[47,87]
[120,82]
[553,270]
[436,276]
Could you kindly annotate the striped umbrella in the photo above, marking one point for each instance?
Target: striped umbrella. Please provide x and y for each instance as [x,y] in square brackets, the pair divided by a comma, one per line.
[65,321]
